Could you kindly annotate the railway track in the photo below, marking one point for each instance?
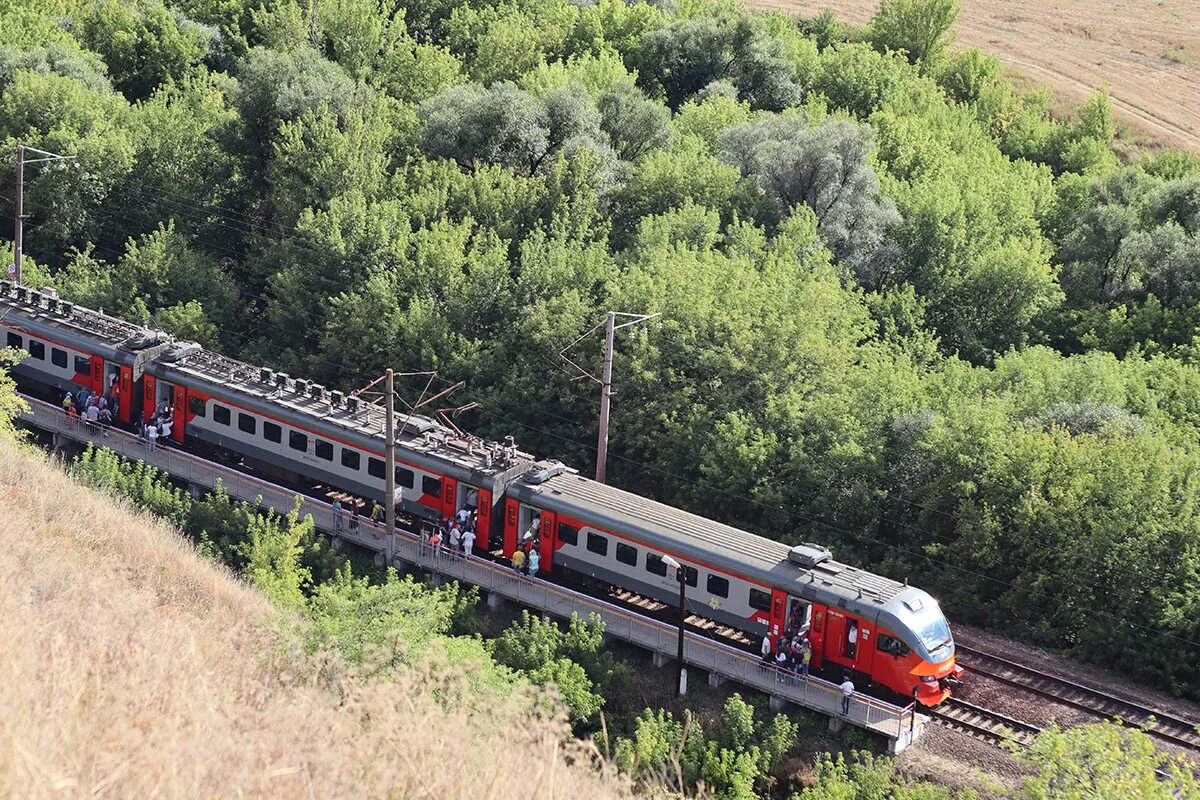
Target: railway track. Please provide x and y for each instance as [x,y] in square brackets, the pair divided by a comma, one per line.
[982,723]
[1156,722]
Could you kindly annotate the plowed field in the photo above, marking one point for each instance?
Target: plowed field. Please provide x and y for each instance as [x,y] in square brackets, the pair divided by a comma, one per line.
[1145,52]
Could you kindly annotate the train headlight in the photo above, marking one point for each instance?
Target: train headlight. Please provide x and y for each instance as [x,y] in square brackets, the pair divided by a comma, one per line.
[928,679]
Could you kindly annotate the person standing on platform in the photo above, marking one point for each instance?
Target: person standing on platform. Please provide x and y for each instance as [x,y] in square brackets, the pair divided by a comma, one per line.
[847,693]
[534,560]
[468,540]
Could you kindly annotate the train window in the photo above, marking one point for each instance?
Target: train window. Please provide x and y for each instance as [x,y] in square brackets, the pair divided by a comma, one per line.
[405,477]
[655,564]
[597,544]
[718,586]
[297,441]
[627,554]
[221,414]
[58,357]
[198,408]
[431,486]
[247,423]
[83,365]
[568,534]
[690,575]
[350,459]
[324,450]
[891,645]
[760,600]
[14,340]
[37,349]
[272,432]
[376,469]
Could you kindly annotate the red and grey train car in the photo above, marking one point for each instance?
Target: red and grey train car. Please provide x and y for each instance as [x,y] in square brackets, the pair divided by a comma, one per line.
[893,634]
[297,429]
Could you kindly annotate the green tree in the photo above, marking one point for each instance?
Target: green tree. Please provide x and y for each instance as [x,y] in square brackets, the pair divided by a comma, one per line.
[918,28]
[1104,761]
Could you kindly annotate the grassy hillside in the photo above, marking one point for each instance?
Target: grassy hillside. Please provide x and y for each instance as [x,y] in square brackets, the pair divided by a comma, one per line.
[135,668]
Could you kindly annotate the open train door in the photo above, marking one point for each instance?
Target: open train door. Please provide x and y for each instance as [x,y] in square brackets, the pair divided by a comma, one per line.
[834,650]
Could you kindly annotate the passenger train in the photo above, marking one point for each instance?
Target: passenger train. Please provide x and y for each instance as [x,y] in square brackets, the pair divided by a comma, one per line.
[888,633]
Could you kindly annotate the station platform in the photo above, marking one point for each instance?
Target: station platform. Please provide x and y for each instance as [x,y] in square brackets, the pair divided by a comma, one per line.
[901,726]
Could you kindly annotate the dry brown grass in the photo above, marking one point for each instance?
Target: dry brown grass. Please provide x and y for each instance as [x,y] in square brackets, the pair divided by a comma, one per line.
[133,668]
[1145,52]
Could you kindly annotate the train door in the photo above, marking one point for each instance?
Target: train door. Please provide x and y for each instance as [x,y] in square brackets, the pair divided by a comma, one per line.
[835,638]
[865,658]
[149,397]
[816,635]
[179,413]
[778,610]
[483,523]
[512,514]
[124,395]
[799,616]
[549,529]
[97,376]
[449,497]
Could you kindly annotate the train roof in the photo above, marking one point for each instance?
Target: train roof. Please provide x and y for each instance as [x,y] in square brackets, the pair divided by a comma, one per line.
[708,542]
[263,388]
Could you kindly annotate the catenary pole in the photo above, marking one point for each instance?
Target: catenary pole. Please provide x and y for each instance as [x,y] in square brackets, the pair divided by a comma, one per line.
[605,380]
[390,446]
[605,395]
[43,157]
[682,621]
[19,219]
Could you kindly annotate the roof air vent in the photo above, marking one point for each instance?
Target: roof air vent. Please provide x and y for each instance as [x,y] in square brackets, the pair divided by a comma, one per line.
[316,392]
[302,386]
[336,398]
[352,404]
[68,308]
[281,379]
[266,375]
[179,351]
[809,555]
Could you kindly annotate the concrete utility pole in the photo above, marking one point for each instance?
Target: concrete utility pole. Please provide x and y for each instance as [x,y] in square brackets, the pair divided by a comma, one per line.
[605,395]
[681,576]
[390,440]
[14,274]
[605,381]
[14,271]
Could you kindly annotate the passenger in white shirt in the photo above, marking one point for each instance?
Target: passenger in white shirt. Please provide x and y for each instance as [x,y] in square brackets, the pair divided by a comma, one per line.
[847,693]
[468,540]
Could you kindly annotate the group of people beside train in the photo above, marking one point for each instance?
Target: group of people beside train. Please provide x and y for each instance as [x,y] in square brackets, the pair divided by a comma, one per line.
[158,427]
[455,534]
[791,655]
[94,408]
[526,559]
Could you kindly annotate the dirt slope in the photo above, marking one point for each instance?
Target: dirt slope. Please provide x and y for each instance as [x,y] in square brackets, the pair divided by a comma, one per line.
[1145,52]
[135,669]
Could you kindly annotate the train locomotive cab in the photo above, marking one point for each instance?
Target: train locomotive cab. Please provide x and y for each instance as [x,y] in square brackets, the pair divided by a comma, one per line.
[915,648]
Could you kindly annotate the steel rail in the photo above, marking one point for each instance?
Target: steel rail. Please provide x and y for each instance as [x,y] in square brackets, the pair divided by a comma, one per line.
[1156,722]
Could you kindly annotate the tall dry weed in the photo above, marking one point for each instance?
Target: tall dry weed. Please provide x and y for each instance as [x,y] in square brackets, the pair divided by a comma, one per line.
[130,667]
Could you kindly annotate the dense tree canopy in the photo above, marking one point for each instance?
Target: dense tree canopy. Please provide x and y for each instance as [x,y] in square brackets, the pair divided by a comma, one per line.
[905,310]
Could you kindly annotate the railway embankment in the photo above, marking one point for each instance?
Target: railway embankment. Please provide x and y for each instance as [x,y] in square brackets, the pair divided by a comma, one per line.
[134,667]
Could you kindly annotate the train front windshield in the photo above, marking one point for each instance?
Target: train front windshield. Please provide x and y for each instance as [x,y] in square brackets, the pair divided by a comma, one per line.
[935,634]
